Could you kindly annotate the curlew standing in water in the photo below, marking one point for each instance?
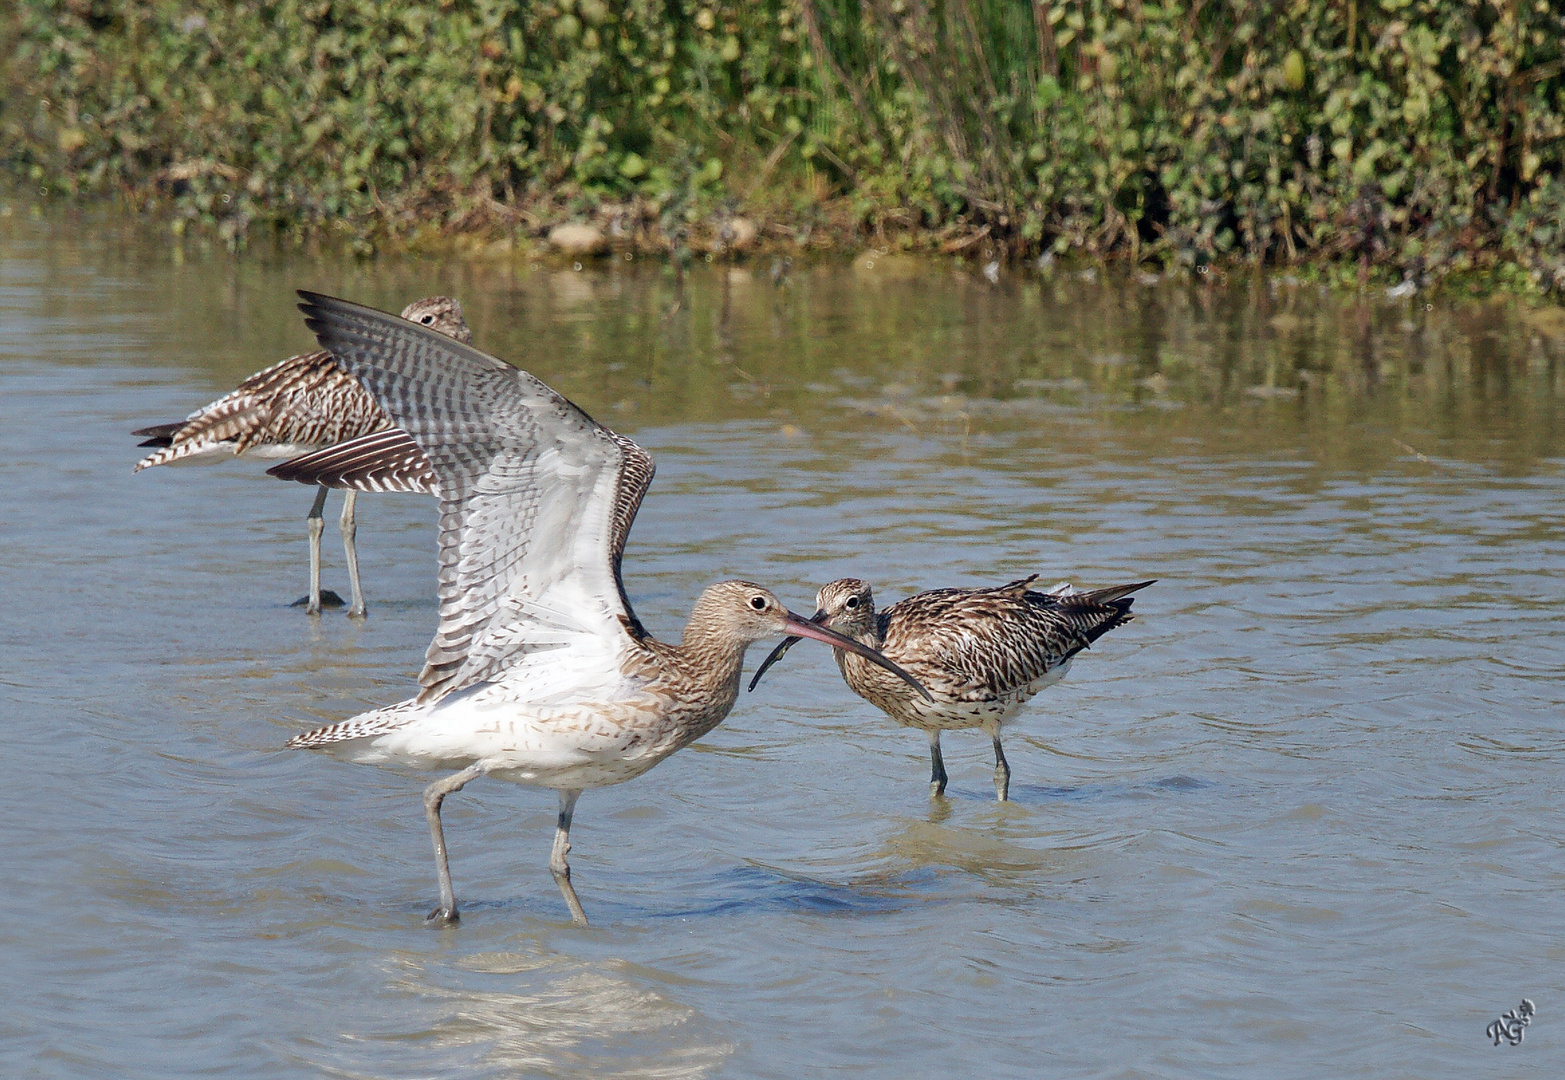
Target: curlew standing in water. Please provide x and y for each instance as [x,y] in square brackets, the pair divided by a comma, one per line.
[298,405]
[980,652]
[540,672]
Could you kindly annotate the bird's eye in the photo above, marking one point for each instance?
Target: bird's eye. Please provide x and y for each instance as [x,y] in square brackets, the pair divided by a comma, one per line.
[758,602]
[851,602]
[427,320]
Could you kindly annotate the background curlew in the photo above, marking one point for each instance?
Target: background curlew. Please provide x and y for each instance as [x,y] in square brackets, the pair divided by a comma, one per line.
[298,405]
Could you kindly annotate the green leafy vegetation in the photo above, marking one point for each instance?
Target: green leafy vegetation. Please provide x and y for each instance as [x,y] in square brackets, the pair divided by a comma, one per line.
[1410,139]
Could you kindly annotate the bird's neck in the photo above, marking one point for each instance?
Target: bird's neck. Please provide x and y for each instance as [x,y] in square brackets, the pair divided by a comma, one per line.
[705,665]
[713,650]
[871,633]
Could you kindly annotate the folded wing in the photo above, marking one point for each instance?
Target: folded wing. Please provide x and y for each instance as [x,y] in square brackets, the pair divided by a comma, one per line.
[986,643]
[381,461]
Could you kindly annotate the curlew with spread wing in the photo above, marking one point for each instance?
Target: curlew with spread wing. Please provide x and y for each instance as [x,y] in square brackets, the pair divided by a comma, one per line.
[540,672]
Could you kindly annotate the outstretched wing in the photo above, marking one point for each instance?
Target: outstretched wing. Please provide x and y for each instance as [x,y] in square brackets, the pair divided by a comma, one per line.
[535,501]
[390,460]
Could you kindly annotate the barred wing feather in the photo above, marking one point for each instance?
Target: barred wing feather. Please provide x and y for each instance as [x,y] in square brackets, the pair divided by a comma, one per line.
[386,460]
[534,497]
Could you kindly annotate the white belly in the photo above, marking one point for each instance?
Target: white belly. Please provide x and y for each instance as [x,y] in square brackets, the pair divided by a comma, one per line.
[571,746]
[950,715]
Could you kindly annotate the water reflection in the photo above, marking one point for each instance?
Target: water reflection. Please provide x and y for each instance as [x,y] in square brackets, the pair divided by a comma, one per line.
[529,1012]
[941,351]
[1318,768]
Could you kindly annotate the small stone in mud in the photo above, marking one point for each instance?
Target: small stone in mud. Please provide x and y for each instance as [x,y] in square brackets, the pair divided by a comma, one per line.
[738,234]
[576,239]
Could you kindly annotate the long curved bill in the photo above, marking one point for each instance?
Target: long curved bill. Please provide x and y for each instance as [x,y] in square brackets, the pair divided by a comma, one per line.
[800,628]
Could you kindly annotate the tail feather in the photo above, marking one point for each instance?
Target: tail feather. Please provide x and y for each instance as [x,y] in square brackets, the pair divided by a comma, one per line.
[224,424]
[179,450]
[1097,611]
[1107,595]
[360,727]
[237,418]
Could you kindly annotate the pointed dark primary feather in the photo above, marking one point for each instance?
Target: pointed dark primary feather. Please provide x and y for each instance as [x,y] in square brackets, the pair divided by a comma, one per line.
[159,434]
[504,449]
[386,460]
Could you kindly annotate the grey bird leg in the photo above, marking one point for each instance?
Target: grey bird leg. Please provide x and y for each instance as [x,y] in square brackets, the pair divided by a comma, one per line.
[434,795]
[937,765]
[317,526]
[350,530]
[1002,772]
[562,846]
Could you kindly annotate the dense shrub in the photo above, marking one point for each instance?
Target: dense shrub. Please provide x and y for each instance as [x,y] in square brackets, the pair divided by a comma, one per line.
[1421,135]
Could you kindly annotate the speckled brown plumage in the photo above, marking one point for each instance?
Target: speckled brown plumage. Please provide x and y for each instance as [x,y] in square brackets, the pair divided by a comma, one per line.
[981,653]
[539,671]
[305,400]
[301,404]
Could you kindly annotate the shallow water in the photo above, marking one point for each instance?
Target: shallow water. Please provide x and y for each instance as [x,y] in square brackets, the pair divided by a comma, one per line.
[1303,817]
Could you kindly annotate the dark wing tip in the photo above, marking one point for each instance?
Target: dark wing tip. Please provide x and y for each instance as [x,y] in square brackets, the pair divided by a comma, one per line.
[332,320]
[1108,595]
[317,307]
[312,301]
[158,434]
[286,470]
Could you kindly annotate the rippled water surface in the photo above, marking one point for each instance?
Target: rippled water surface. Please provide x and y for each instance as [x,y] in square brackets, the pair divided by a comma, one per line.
[1302,818]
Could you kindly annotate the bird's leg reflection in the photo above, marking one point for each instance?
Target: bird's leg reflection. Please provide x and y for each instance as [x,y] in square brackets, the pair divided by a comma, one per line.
[1002,771]
[937,765]
[562,846]
[350,549]
[940,810]
[434,795]
[317,525]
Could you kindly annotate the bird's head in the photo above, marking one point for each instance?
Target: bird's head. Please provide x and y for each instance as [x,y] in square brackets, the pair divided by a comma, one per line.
[440,313]
[743,613]
[846,605]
